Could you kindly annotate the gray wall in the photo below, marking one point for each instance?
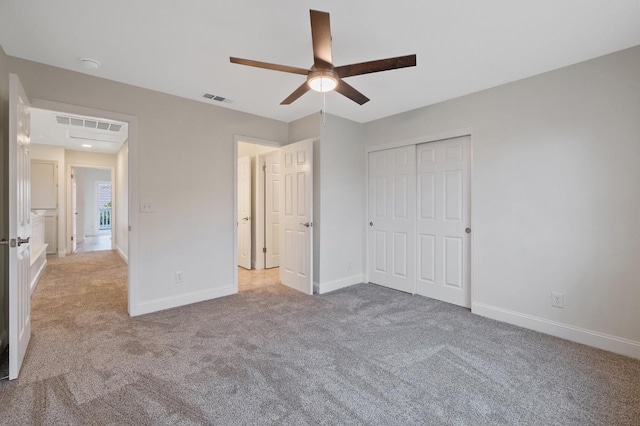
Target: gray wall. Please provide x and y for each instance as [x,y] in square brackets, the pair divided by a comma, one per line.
[184,168]
[4,224]
[555,196]
[342,202]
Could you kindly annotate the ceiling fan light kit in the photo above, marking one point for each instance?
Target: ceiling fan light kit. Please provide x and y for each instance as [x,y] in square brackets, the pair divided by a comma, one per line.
[322,81]
[323,76]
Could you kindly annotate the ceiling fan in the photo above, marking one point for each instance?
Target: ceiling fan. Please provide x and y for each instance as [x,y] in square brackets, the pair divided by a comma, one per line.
[323,76]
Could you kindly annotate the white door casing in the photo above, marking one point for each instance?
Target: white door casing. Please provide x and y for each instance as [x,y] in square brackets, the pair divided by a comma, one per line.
[74,211]
[272,209]
[244,212]
[392,213]
[296,204]
[19,226]
[444,214]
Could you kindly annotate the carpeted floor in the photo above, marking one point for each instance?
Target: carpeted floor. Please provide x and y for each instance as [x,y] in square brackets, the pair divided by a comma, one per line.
[270,355]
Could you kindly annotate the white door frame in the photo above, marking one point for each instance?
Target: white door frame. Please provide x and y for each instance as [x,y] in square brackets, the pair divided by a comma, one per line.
[96,219]
[68,199]
[434,137]
[256,141]
[132,122]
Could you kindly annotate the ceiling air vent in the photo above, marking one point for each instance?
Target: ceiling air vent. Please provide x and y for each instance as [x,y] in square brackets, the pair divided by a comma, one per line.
[217,98]
[88,123]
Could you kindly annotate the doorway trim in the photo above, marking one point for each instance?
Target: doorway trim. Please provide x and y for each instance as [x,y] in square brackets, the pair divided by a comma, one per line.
[247,139]
[68,199]
[433,137]
[132,121]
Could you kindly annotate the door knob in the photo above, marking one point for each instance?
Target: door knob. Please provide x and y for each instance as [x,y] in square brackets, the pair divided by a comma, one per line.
[245,218]
[22,241]
[468,230]
[308,224]
[370,223]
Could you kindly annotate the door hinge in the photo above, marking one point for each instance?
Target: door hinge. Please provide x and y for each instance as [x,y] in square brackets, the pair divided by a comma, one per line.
[129,227]
[72,238]
[264,167]
[264,249]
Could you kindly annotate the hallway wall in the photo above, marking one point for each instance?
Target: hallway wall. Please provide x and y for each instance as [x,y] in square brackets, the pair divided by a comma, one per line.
[121,210]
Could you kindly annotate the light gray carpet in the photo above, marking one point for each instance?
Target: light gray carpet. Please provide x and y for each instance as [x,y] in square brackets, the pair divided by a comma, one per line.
[363,355]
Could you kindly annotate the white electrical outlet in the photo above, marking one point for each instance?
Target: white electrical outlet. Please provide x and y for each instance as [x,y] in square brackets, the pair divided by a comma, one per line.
[146,207]
[557,300]
[179,277]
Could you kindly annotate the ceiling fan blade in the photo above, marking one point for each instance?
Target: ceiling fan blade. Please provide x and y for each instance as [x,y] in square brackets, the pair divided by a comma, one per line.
[376,66]
[268,66]
[321,38]
[351,93]
[304,88]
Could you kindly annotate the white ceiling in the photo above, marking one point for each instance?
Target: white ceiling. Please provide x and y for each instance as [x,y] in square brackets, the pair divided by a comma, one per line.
[45,130]
[183,48]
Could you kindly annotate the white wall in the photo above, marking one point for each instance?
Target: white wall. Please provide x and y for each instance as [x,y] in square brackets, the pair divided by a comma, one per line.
[342,174]
[183,165]
[121,203]
[55,153]
[252,149]
[554,196]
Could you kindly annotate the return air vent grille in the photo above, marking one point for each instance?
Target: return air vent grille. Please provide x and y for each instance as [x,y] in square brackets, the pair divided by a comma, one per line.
[217,98]
[88,123]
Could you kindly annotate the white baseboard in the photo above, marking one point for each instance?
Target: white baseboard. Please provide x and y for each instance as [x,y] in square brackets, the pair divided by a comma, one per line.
[122,254]
[181,300]
[36,278]
[322,288]
[596,339]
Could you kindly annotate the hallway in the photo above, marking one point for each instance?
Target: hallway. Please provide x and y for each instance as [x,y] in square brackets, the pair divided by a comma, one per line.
[94,243]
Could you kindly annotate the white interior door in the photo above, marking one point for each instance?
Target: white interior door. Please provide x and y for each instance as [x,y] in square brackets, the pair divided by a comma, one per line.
[19,226]
[244,212]
[444,210]
[272,209]
[392,213]
[296,239]
[74,211]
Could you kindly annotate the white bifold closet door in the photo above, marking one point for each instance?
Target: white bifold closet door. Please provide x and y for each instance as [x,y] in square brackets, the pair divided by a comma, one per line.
[392,218]
[419,219]
[444,210]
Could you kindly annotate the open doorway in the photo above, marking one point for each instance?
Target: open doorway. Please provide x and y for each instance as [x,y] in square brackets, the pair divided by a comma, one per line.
[92,209]
[258,189]
[79,182]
